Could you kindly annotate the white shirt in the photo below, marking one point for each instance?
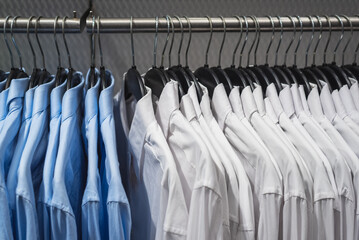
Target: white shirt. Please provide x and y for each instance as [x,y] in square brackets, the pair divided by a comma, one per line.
[242,198]
[348,102]
[295,202]
[344,215]
[158,206]
[264,179]
[323,197]
[354,90]
[349,156]
[199,175]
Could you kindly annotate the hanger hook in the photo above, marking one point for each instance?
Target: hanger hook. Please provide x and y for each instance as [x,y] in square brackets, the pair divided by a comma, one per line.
[93,43]
[239,39]
[350,38]
[280,39]
[329,37]
[291,41]
[189,38]
[299,41]
[210,38]
[310,41]
[55,39]
[223,40]
[167,38]
[14,42]
[172,41]
[64,37]
[356,50]
[319,38]
[181,41]
[132,43]
[340,38]
[258,27]
[155,43]
[272,38]
[255,21]
[7,43]
[99,40]
[245,41]
[29,40]
[38,42]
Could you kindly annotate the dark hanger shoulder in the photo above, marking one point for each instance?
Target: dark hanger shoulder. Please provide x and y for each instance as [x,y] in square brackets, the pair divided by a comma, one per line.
[223,78]
[134,84]
[208,78]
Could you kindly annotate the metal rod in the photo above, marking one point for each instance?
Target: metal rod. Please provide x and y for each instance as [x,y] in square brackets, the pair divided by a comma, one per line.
[45,25]
[201,24]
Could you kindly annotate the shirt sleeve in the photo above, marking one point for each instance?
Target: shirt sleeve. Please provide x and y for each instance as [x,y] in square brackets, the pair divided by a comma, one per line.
[295,219]
[324,214]
[205,215]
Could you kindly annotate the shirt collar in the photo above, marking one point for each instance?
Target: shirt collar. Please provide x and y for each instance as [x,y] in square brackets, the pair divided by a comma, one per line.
[106,97]
[221,105]
[56,99]
[270,111]
[206,105]
[236,102]
[18,88]
[193,94]
[303,98]
[28,102]
[272,95]
[249,104]
[2,84]
[3,105]
[297,101]
[187,107]
[286,99]
[347,99]
[91,98]
[42,96]
[314,103]
[73,97]
[258,97]
[167,104]
[327,103]
[340,109]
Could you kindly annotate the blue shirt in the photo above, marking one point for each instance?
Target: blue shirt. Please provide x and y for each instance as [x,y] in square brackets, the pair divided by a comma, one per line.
[91,202]
[11,181]
[45,192]
[31,164]
[3,98]
[14,102]
[117,220]
[70,169]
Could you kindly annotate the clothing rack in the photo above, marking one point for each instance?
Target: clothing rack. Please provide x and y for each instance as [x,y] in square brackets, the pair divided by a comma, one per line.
[198,24]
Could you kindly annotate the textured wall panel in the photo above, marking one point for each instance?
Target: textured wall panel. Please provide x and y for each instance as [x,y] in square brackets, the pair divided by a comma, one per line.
[116,47]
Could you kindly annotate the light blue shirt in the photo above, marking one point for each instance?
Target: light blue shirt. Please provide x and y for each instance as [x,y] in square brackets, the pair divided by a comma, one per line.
[11,124]
[91,202]
[31,164]
[45,192]
[70,169]
[11,181]
[3,98]
[117,220]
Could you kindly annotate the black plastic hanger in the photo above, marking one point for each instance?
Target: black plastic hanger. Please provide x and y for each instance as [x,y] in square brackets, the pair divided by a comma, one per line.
[221,74]
[204,74]
[235,75]
[133,80]
[14,72]
[154,78]
[92,74]
[61,73]
[189,72]
[71,72]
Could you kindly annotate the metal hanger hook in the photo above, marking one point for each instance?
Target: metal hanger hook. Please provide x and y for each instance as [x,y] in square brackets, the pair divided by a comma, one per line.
[356,49]
[93,43]
[258,29]
[63,36]
[189,38]
[299,40]
[291,41]
[13,40]
[99,40]
[132,43]
[280,39]
[7,43]
[55,39]
[255,21]
[245,41]
[341,37]
[172,41]
[168,18]
[38,42]
[310,41]
[210,38]
[155,44]
[223,40]
[319,38]
[181,41]
[272,38]
[329,37]
[29,40]
[350,38]
[239,40]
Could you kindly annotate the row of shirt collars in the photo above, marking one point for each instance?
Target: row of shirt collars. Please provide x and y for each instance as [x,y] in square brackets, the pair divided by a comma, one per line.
[50,184]
[243,166]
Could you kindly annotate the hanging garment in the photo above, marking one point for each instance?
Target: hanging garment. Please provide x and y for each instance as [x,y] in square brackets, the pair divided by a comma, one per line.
[3,98]
[46,191]
[91,202]
[354,90]
[348,103]
[70,169]
[116,220]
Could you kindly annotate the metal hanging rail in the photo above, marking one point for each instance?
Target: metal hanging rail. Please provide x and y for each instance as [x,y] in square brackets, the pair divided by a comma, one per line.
[201,24]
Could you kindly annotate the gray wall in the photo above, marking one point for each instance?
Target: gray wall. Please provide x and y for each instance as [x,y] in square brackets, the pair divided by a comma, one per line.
[116,47]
